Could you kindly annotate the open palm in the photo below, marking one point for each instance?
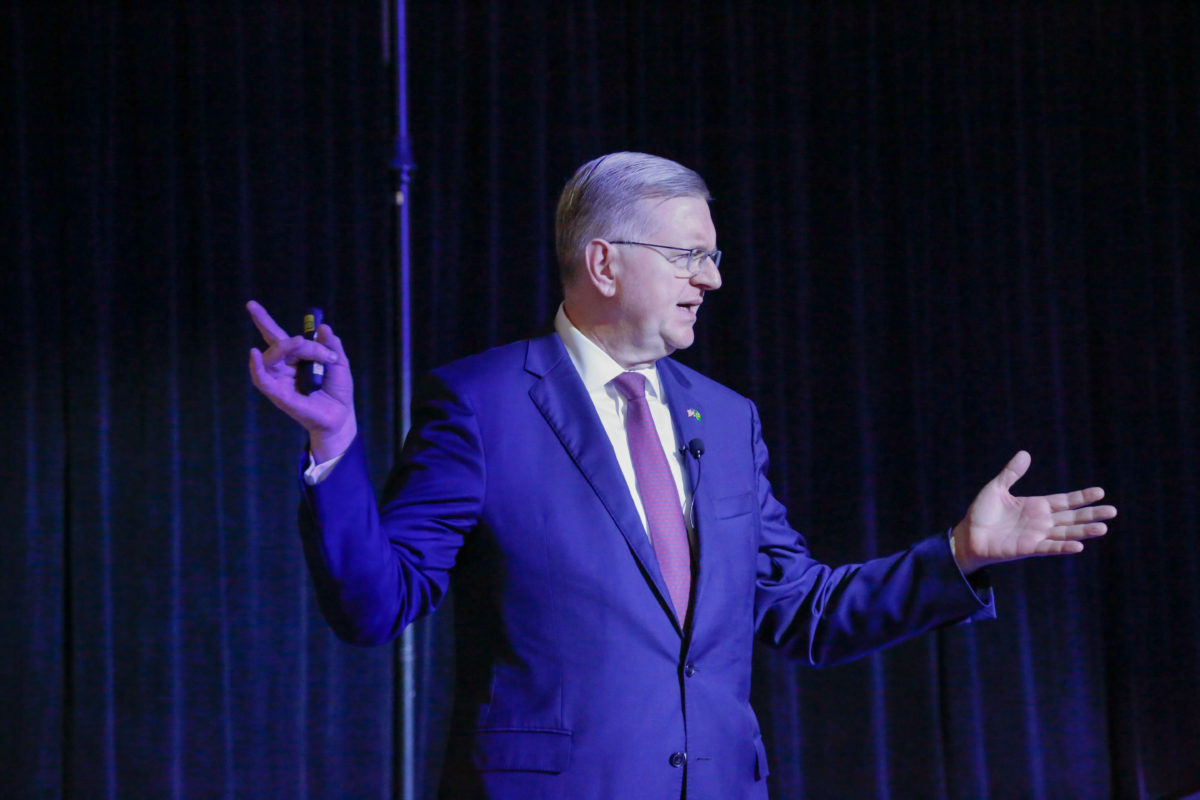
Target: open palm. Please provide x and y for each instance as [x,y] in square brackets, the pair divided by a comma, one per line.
[1000,526]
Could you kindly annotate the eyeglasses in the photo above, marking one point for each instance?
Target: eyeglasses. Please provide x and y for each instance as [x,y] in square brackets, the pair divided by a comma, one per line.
[687,261]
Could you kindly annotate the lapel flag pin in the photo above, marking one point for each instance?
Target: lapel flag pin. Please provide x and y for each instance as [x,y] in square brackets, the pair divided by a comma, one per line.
[694,414]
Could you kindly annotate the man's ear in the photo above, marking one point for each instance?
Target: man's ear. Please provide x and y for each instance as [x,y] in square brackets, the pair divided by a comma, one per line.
[598,258]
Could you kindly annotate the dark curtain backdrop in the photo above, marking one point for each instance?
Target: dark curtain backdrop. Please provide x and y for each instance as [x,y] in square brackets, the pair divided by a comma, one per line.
[951,230]
[166,162]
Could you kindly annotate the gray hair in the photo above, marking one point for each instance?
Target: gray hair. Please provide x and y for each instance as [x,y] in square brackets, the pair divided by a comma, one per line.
[600,201]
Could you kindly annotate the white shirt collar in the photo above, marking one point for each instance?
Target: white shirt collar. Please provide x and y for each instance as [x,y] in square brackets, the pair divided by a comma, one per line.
[596,367]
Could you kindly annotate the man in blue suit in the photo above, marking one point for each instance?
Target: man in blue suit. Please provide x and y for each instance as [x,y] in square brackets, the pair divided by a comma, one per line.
[604,515]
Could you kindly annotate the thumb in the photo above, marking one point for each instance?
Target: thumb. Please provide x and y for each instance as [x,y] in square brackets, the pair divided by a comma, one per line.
[1014,470]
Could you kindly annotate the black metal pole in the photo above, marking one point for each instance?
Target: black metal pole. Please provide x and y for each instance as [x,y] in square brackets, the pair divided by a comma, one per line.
[402,167]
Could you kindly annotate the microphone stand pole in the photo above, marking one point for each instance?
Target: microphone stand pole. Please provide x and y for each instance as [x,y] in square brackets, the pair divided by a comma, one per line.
[404,694]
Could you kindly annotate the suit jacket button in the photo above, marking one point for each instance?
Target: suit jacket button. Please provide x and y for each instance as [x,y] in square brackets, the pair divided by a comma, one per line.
[678,759]
[689,669]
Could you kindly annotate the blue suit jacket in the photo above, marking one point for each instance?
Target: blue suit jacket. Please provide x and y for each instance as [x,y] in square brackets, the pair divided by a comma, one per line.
[574,678]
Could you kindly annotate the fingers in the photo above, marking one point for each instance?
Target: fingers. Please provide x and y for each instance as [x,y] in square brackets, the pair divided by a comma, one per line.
[1050,547]
[1013,470]
[290,403]
[266,326]
[1071,524]
[266,374]
[327,348]
[1080,497]
[296,348]
[326,336]
[257,372]
[1067,533]
[1086,514]
[263,380]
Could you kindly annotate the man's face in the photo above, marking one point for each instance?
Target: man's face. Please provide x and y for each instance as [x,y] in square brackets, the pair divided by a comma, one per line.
[657,306]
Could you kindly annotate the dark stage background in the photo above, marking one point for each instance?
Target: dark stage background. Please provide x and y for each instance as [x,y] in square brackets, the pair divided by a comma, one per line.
[951,230]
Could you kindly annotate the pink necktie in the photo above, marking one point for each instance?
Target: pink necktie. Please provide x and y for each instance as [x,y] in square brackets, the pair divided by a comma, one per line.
[660,498]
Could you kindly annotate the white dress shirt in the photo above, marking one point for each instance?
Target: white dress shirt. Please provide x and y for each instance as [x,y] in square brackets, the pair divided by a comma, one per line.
[598,369]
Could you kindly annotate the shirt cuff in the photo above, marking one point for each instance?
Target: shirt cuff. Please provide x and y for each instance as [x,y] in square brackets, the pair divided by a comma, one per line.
[314,473]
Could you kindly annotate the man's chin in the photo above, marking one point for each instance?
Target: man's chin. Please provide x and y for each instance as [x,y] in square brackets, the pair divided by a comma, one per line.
[680,342]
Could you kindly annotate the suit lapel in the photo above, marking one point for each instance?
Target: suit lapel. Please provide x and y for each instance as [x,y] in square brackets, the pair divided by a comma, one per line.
[564,403]
[687,413]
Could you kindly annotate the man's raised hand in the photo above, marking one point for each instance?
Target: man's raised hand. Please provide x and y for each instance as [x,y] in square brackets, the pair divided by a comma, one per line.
[328,413]
[1002,527]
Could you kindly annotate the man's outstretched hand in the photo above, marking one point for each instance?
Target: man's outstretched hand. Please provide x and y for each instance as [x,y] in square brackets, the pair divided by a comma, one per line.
[1002,527]
[328,413]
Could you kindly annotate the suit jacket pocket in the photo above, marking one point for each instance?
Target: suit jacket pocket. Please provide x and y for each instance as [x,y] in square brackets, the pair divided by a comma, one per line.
[522,749]
[733,506]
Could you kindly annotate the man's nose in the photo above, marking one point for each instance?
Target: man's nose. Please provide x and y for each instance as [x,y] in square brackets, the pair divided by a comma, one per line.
[709,277]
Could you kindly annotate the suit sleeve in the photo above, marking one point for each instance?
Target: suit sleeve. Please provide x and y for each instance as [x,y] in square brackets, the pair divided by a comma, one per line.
[378,567]
[825,615]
